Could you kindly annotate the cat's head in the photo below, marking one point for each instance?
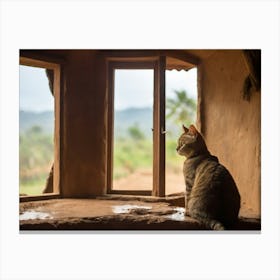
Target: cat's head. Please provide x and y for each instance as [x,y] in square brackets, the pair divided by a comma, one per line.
[191,143]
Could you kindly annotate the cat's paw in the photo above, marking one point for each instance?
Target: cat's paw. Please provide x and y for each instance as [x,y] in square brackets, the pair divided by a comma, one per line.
[218,226]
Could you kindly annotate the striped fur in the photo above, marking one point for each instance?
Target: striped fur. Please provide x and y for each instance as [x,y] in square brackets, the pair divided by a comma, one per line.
[211,193]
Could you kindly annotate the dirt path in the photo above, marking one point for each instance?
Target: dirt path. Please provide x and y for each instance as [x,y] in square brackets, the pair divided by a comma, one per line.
[143,180]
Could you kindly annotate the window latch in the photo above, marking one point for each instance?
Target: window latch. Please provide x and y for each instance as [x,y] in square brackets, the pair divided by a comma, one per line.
[162,131]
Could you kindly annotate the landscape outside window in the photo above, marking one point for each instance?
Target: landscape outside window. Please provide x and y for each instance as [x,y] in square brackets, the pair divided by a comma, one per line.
[36,130]
[181,107]
[133,123]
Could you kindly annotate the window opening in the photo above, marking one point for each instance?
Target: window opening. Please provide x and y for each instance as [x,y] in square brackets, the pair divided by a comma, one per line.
[133,135]
[167,87]
[38,140]
[181,108]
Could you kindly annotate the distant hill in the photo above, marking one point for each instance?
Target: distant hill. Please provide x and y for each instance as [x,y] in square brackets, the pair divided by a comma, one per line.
[45,120]
[143,117]
[123,119]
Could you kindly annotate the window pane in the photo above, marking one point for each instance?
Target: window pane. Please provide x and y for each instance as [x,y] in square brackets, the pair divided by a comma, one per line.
[181,99]
[36,125]
[133,137]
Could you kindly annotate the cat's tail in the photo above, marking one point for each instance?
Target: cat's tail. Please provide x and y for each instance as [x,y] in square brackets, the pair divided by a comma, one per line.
[216,225]
[209,222]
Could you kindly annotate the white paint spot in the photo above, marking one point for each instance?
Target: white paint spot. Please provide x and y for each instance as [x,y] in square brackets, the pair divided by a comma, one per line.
[33,215]
[122,209]
[179,215]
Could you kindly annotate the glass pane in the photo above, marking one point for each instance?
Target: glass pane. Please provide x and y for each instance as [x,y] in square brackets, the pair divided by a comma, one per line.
[181,100]
[133,137]
[36,130]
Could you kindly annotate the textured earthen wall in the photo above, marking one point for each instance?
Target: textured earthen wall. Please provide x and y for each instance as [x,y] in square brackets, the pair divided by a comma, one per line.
[83,150]
[231,125]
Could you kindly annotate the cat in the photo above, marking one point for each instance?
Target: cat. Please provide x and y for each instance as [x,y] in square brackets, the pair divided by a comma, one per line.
[212,196]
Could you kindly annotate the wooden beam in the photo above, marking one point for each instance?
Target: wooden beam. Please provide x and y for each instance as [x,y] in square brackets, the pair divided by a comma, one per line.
[130,192]
[39,197]
[110,125]
[159,129]
[148,54]
[43,55]
[182,55]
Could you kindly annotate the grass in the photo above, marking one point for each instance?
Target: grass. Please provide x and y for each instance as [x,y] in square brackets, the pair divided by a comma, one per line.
[36,151]
[32,187]
[130,154]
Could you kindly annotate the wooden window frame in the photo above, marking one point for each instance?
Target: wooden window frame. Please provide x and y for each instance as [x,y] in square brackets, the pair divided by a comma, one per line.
[57,89]
[157,64]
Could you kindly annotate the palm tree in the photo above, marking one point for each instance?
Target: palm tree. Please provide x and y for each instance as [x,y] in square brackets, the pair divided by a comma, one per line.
[181,109]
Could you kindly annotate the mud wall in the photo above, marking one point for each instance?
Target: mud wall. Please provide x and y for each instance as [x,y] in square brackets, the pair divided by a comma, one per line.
[83,149]
[231,125]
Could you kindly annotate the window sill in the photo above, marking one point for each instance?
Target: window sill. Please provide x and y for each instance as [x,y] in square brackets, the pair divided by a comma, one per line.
[39,197]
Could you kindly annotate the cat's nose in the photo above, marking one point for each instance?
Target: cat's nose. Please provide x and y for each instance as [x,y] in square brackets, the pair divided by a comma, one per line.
[177,149]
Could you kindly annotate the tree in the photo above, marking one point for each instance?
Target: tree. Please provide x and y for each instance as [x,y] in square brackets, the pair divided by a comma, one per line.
[35,129]
[135,132]
[181,109]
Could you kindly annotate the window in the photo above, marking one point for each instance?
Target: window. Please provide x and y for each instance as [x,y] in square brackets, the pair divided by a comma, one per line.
[151,68]
[39,119]
[133,135]
[181,108]
[142,156]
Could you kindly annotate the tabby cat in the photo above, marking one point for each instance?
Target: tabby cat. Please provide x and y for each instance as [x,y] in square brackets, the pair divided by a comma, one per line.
[211,193]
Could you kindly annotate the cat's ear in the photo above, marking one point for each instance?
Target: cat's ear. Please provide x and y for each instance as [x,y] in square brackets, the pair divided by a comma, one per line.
[193,130]
[185,129]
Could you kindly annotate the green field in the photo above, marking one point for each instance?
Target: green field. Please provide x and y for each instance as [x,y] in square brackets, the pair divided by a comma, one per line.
[133,147]
[35,160]
[130,153]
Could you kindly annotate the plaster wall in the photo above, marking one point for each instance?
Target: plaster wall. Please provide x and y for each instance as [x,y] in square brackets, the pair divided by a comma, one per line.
[83,148]
[231,125]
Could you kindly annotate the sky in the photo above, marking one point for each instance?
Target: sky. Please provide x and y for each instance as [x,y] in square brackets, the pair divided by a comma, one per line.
[133,88]
[34,89]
